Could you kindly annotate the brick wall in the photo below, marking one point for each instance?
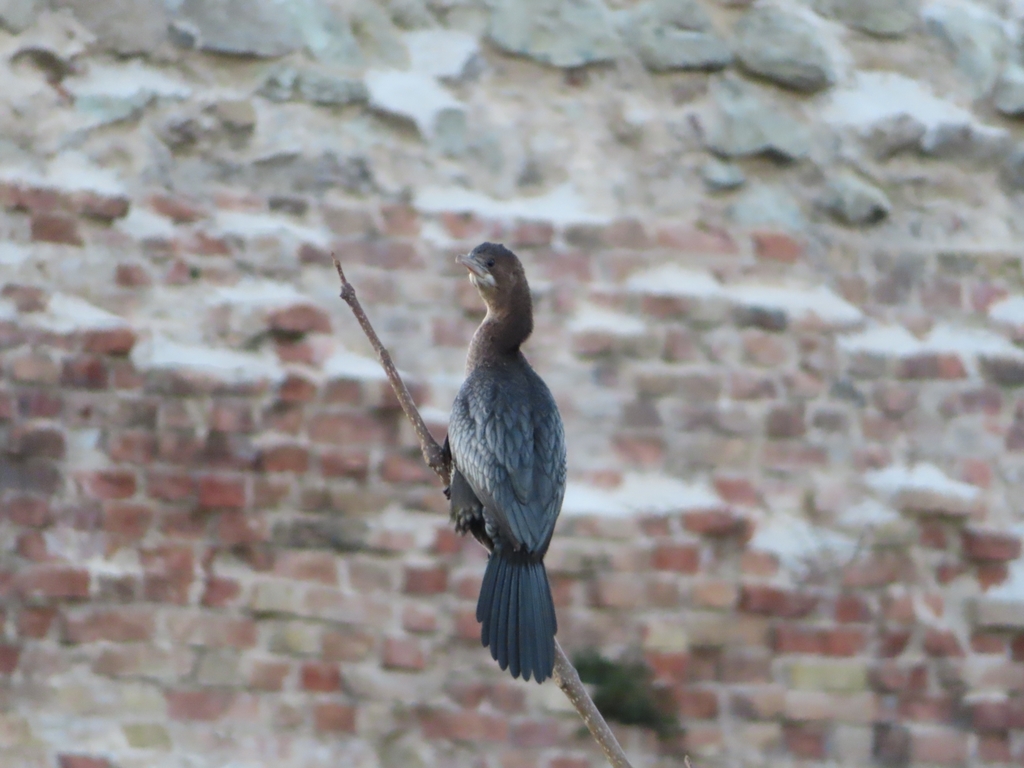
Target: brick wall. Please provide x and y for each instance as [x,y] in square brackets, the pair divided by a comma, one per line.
[795,474]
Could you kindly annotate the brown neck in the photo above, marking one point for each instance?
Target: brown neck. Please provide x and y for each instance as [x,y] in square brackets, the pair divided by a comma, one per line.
[502,332]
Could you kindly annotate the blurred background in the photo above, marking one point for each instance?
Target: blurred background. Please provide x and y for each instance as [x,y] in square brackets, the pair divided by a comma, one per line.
[776,256]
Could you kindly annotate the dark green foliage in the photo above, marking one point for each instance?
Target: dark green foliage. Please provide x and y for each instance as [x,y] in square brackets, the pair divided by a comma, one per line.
[623,692]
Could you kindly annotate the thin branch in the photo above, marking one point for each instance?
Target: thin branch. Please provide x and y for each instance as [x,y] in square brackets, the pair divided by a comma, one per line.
[432,453]
[565,675]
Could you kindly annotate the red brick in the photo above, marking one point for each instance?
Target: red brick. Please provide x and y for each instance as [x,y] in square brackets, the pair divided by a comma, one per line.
[462,725]
[268,675]
[852,608]
[319,676]
[30,511]
[351,463]
[348,644]
[939,746]
[35,622]
[700,240]
[85,372]
[942,643]
[297,389]
[989,643]
[696,703]
[418,618]
[682,558]
[112,341]
[531,234]
[795,639]
[1017,647]
[200,705]
[106,484]
[535,734]
[737,490]
[402,468]
[990,715]
[569,762]
[985,545]
[931,365]
[169,571]
[773,601]
[301,318]
[52,581]
[9,657]
[994,748]
[132,276]
[83,761]
[221,492]
[348,429]
[667,666]
[170,485]
[321,567]
[991,574]
[403,653]
[715,522]
[220,591]
[126,521]
[898,677]
[56,228]
[330,717]
[806,740]
[426,580]
[34,368]
[400,220]
[179,209]
[466,625]
[116,625]
[283,458]
[132,447]
[777,246]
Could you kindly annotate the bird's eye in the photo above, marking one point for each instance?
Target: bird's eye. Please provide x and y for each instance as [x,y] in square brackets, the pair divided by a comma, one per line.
[490,263]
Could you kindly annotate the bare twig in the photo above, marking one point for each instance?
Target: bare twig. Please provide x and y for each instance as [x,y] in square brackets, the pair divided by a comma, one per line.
[432,453]
[565,674]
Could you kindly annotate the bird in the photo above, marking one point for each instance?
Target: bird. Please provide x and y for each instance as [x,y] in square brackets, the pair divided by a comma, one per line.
[506,445]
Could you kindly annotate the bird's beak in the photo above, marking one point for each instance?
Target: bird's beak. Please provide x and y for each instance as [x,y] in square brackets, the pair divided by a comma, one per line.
[478,273]
[469,261]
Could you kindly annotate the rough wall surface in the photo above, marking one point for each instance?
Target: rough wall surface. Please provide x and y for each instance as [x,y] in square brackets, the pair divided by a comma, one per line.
[777,263]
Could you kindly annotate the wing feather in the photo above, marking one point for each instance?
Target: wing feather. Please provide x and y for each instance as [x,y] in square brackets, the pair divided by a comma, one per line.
[507,440]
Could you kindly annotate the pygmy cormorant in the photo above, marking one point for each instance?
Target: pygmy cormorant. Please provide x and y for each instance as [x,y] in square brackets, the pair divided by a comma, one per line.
[507,447]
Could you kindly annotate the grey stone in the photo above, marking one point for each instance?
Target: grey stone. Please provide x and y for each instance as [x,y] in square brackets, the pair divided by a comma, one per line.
[126,27]
[764,205]
[18,15]
[674,34]
[744,125]
[258,28]
[784,47]
[1009,92]
[884,18]
[721,176]
[888,137]
[330,89]
[853,201]
[1013,170]
[281,84]
[555,32]
[973,36]
[327,35]
[410,14]
[1000,613]
[378,38]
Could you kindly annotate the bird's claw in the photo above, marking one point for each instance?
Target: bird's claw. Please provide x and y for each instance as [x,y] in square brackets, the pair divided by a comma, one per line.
[448,492]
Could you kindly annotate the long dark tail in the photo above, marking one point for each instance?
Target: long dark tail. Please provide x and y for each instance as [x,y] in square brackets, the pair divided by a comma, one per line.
[518,615]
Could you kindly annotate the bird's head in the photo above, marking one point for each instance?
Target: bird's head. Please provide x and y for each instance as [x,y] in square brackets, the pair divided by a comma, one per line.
[497,273]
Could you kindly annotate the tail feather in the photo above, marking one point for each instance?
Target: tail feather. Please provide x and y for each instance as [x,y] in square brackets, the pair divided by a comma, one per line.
[517,615]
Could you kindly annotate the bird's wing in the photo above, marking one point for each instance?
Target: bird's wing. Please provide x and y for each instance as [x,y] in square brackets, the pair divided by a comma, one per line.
[512,452]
